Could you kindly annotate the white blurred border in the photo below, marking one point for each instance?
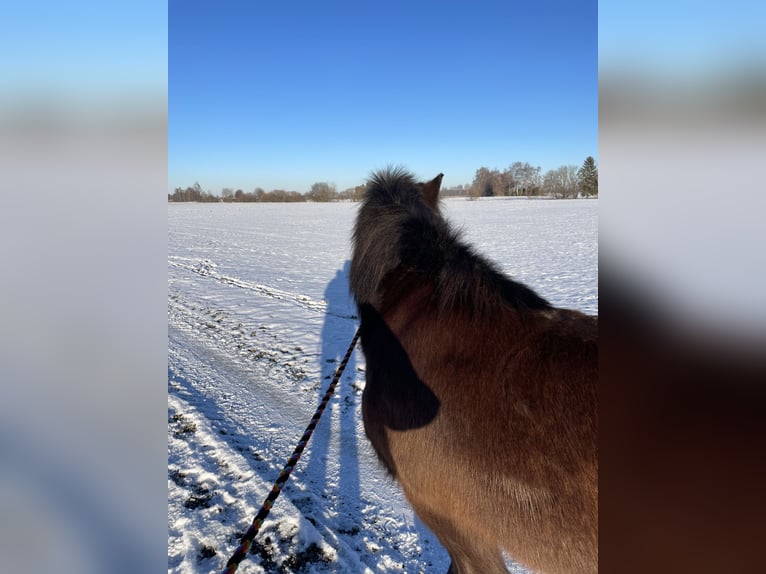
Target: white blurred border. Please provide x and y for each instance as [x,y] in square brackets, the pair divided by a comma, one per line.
[682,142]
[682,137]
[83,169]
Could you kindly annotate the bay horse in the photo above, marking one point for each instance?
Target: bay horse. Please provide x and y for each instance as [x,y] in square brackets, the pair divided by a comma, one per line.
[480,396]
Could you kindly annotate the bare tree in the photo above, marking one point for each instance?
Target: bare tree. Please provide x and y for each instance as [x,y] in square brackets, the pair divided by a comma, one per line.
[487,182]
[525,178]
[561,182]
[322,191]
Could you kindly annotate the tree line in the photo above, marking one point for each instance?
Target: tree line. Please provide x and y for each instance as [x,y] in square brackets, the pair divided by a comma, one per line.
[518,179]
[320,191]
[521,178]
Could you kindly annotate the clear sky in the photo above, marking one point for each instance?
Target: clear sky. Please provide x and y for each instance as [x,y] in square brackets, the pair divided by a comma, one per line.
[285,94]
[83,51]
[681,37]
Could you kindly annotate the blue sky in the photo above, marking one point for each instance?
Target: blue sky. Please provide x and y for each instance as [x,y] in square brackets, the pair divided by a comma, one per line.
[681,37]
[281,95]
[83,51]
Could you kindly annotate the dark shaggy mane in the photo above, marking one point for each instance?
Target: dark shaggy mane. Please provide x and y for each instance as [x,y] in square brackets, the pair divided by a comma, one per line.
[398,237]
[391,185]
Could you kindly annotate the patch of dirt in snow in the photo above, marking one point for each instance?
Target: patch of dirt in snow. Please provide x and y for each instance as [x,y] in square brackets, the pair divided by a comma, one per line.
[212,489]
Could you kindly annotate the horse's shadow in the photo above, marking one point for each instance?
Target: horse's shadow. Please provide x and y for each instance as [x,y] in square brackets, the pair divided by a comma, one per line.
[343,415]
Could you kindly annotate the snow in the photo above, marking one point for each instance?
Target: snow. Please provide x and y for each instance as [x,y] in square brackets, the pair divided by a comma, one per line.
[259,316]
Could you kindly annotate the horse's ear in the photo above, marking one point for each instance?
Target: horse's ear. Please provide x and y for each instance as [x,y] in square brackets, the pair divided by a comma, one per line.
[430,190]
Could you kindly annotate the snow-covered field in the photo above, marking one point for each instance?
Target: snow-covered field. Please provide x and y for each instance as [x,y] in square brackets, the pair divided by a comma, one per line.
[259,316]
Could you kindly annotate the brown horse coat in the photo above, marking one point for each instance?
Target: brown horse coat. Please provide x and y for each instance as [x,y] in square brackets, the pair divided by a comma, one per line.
[480,396]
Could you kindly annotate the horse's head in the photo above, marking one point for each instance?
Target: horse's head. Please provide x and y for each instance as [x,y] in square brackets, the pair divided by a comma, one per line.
[393,198]
[396,186]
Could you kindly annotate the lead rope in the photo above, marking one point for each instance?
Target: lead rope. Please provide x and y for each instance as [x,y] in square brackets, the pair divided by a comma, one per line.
[249,536]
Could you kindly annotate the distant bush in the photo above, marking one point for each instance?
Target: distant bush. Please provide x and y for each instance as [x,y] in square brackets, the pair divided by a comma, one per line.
[281,196]
[193,193]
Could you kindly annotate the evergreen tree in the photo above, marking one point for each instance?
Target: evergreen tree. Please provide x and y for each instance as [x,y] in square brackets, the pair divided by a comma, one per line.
[587,177]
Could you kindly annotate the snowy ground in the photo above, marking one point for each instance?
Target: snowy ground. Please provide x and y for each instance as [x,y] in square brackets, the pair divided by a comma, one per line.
[259,315]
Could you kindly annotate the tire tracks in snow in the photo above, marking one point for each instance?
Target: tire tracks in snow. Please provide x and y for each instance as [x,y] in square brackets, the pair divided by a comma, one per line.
[208,268]
[245,345]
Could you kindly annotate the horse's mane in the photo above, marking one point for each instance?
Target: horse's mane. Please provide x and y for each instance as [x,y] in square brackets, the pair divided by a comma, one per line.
[399,237]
